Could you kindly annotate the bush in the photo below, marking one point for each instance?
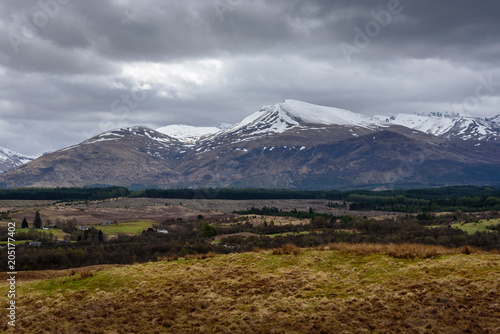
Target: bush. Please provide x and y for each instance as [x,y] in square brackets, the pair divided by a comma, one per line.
[287,249]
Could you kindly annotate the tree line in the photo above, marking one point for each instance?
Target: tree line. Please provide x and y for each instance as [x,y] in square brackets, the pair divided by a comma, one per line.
[195,237]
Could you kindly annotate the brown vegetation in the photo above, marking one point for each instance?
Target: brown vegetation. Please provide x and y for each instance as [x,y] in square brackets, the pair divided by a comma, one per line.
[402,251]
[129,209]
[287,249]
[336,289]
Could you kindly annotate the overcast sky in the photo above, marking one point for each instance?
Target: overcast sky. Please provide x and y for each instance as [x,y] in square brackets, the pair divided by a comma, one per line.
[71,69]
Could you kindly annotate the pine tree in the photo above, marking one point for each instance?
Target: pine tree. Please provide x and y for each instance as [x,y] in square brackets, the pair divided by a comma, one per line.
[37,223]
[24,224]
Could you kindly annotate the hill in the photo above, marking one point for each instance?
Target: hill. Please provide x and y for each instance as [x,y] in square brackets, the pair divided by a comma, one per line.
[334,289]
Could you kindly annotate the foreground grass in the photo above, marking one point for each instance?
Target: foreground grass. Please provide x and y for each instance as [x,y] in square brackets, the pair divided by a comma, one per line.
[336,289]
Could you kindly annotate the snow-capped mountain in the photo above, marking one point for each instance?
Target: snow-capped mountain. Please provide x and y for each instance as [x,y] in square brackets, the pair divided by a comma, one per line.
[293,114]
[191,134]
[448,125]
[10,159]
[297,115]
[291,144]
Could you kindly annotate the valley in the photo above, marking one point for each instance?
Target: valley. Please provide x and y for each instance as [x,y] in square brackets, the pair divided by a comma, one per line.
[263,265]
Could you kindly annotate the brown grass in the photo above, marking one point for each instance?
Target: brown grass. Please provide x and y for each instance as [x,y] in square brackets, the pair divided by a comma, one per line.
[287,249]
[336,289]
[402,251]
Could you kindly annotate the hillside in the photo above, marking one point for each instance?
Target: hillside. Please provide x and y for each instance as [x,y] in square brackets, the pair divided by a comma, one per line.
[336,289]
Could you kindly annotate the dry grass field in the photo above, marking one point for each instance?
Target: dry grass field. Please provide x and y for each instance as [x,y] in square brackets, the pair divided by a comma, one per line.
[340,288]
[124,210]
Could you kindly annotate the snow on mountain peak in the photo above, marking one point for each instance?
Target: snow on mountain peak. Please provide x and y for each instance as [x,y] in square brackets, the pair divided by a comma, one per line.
[224,126]
[447,114]
[190,134]
[10,159]
[289,114]
[314,114]
[428,124]
[447,125]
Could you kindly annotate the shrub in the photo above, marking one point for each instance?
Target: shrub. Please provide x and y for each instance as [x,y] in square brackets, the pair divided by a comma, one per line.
[287,249]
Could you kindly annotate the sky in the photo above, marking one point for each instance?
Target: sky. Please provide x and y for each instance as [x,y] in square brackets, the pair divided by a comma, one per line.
[72,69]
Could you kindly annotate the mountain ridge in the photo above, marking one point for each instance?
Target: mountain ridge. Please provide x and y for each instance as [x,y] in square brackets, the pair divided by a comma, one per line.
[291,144]
[10,159]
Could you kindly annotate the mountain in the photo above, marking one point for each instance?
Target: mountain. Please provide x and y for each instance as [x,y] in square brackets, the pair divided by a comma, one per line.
[449,125]
[291,144]
[191,134]
[10,159]
[117,157]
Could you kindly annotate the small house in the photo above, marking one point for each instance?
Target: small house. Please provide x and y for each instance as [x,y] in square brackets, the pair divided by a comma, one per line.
[84,228]
[106,223]
[160,230]
[35,243]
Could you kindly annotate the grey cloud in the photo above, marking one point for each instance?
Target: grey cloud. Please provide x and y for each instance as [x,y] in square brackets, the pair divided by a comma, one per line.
[59,88]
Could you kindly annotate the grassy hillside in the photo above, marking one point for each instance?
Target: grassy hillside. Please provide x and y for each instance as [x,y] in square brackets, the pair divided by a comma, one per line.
[340,288]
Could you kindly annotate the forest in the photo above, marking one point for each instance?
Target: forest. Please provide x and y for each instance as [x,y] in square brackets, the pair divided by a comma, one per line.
[464,198]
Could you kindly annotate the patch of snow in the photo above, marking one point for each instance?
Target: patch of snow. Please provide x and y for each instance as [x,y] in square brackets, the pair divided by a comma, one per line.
[187,133]
[427,124]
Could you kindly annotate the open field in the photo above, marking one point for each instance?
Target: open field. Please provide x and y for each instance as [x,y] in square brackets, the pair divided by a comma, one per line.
[335,289]
[474,227]
[60,234]
[11,204]
[258,220]
[128,209]
[228,206]
[127,227]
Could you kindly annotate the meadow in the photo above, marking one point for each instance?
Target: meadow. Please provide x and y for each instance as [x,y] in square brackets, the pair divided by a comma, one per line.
[478,226]
[338,288]
[134,227]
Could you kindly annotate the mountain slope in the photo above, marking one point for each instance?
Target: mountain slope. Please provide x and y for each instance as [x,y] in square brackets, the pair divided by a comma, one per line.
[118,157]
[10,159]
[288,145]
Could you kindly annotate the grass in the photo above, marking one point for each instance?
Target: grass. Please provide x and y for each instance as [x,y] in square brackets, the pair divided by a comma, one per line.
[287,234]
[340,288]
[17,242]
[135,227]
[56,232]
[474,227]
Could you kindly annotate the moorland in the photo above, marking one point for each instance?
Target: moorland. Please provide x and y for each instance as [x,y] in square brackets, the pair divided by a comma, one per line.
[110,261]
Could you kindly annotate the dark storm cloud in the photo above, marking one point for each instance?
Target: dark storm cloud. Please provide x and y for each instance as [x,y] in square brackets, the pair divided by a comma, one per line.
[70,69]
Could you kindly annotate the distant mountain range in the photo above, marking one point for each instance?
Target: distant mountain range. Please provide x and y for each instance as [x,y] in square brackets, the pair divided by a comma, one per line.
[291,144]
[10,159]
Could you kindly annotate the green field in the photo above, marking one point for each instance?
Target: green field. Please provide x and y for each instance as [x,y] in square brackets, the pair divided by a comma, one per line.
[127,228]
[56,232]
[474,227]
[286,234]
